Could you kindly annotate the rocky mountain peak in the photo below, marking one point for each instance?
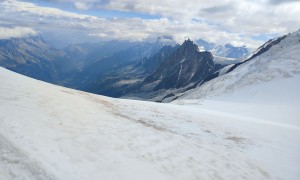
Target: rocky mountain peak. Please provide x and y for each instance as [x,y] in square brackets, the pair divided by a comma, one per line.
[183,67]
[188,44]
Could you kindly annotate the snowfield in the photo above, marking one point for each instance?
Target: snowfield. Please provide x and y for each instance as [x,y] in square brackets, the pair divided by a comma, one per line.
[51,132]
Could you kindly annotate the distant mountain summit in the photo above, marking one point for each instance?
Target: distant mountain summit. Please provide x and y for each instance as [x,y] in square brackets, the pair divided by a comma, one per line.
[204,45]
[185,66]
[226,50]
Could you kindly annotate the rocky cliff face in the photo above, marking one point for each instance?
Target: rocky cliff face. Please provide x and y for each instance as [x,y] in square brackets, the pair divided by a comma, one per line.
[187,65]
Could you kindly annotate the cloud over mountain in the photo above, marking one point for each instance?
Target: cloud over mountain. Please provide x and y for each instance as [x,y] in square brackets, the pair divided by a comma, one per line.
[238,22]
[16,32]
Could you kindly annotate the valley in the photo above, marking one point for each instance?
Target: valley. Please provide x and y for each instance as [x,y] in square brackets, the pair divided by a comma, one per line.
[116,68]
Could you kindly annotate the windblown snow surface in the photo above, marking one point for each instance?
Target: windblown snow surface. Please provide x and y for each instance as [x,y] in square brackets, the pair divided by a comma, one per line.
[265,91]
[51,132]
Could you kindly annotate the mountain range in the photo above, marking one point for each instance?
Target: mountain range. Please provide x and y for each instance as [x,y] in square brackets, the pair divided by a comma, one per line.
[226,50]
[160,71]
[276,59]
[243,123]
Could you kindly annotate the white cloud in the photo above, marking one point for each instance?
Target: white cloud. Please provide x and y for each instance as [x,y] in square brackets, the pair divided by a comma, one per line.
[247,16]
[224,21]
[11,6]
[101,35]
[82,5]
[16,32]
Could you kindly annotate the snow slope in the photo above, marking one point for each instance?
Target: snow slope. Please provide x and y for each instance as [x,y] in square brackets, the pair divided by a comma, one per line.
[258,101]
[51,132]
[281,61]
[264,90]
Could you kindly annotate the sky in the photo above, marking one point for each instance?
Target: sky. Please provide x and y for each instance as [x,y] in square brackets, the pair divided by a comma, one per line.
[239,22]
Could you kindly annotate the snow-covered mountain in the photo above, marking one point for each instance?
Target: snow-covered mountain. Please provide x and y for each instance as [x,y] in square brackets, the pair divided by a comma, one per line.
[226,50]
[277,59]
[142,70]
[51,132]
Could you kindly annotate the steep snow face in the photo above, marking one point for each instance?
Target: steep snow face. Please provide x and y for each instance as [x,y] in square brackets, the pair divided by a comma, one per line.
[281,61]
[51,132]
